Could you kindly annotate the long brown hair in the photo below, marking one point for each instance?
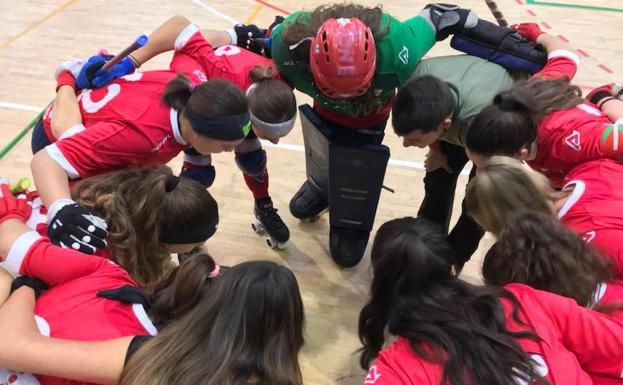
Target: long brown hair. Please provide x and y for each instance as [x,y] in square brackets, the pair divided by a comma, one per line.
[247,330]
[537,250]
[503,185]
[138,209]
[447,321]
[183,288]
[510,123]
[271,100]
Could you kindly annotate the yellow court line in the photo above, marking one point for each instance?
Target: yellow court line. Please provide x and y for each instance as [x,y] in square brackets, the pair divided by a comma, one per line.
[254,14]
[37,23]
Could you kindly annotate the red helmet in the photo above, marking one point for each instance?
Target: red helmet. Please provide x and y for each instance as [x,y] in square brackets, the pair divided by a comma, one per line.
[343,58]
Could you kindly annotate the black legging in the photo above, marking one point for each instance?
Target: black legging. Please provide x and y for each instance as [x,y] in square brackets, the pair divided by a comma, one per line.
[440,186]
[39,138]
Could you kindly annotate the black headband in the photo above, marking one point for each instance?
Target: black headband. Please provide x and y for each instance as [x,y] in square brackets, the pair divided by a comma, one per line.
[227,127]
[198,233]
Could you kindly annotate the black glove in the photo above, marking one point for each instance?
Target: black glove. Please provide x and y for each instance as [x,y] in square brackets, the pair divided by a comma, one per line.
[278,20]
[249,37]
[76,227]
[34,283]
[448,19]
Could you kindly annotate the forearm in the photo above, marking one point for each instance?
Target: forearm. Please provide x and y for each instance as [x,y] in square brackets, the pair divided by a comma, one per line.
[50,179]
[10,230]
[5,285]
[552,43]
[65,112]
[162,39]
[216,38]
[23,349]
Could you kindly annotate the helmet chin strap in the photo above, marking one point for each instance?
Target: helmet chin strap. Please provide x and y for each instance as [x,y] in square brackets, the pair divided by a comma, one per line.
[303,40]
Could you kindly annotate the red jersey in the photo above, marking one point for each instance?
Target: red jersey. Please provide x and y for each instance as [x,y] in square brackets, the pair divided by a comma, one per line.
[226,62]
[610,294]
[574,342]
[125,123]
[594,209]
[566,138]
[71,308]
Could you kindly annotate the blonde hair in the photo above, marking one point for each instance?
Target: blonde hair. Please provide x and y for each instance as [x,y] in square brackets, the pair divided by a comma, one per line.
[504,185]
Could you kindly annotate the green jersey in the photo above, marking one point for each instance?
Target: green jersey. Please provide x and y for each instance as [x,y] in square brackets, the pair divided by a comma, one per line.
[399,48]
[474,83]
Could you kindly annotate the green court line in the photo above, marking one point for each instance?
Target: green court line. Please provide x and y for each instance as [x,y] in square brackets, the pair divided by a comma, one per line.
[6,149]
[575,6]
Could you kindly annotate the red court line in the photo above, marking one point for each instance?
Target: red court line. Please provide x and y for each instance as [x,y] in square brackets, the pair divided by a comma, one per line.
[519,2]
[563,38]
[606,69]
[582,52]
[273,7]
[547,26]
[531,12]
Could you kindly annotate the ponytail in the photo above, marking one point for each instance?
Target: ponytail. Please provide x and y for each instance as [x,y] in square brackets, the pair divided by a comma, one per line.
[185,286]
[259,73]
[177,93]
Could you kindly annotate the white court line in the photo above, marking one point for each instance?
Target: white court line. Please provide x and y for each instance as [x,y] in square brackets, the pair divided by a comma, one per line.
[22,107]
[214,11]
[280,146]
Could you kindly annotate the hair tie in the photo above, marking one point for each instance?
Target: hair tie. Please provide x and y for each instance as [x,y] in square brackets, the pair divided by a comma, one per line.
[171,183]
[214,273]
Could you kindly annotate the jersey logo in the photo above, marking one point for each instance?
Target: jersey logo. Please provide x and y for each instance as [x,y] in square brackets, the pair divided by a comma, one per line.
[610,138]
[373,375]
[404,55]
[573,140]
[227,50]
[589,236]
[161,144]
[201,76]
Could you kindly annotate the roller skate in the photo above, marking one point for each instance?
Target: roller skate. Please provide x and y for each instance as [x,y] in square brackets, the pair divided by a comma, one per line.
[347,245]
[307,204]
[268,223]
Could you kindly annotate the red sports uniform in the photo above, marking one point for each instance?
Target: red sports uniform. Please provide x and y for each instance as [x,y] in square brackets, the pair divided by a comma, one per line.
[566,138]
[226,62]
[595,207]
[71,309]
[126,124]
[578,346]
[610,294]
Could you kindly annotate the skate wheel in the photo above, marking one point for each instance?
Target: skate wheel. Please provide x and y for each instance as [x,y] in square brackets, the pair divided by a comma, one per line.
[276,245]
[257,226]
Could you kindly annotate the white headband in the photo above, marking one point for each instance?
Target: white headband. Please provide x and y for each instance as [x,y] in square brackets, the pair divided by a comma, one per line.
[270,130]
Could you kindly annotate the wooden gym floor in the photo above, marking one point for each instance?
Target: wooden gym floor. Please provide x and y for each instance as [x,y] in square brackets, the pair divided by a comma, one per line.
[35,36]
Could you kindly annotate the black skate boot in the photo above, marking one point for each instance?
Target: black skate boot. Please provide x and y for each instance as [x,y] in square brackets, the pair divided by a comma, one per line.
[347,245]
[268,221]
[307,203]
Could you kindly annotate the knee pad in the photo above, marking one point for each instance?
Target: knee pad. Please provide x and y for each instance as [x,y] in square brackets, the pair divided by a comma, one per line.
[252,163]
[502,46]
[202,174]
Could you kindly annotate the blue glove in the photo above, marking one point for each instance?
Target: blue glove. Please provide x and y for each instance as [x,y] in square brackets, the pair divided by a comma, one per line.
[93,76]
[202,174]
